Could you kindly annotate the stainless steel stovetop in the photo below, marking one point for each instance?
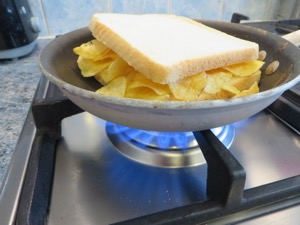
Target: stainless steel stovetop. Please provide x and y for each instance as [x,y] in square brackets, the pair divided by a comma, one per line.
[70,167]
[95,184]
[84,179]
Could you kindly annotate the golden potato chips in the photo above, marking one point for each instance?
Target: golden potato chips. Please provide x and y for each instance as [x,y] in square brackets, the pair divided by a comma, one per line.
[116,87]
[90,67]
[137,80]
[121,80]
[94,50]
[190,88]
[245,68]
[252,90]
[216,79]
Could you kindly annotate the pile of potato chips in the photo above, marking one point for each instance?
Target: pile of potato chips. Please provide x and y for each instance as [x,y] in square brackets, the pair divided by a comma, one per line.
[120,79]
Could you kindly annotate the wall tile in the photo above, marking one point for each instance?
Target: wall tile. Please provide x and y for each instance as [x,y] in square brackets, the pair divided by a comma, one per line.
[255,9]
[61,16]
[200,9]
[140,6]
[272,9]
[37,12]
[67,15]
[286,9]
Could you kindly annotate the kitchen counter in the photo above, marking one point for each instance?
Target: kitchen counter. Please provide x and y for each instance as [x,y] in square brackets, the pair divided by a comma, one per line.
[19,79]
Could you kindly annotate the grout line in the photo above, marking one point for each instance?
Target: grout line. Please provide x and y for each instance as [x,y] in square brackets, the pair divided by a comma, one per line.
[275,15]
[110,6]
[44,15]
[267,14]
[221,9]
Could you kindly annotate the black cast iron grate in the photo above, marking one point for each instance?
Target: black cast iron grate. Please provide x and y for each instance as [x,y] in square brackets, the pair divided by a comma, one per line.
[227,197]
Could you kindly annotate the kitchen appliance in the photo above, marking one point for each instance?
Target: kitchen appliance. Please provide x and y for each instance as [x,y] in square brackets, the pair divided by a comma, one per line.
[18,29]
[76,172]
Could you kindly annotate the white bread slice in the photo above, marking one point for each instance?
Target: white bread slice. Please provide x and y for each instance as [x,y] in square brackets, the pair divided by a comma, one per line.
[166,48]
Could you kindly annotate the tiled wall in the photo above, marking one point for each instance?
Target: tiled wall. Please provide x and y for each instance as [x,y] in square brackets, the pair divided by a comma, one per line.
[61,16]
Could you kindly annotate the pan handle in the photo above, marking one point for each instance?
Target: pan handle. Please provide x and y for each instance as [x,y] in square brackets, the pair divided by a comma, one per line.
[293,37]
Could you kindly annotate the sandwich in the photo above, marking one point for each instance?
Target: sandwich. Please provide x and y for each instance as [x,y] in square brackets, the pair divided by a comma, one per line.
[168,58]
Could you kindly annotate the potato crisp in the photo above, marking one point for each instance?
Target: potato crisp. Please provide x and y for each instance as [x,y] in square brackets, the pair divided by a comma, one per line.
[118,78]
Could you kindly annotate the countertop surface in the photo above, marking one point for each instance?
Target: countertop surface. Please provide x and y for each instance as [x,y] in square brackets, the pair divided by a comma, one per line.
[19,79]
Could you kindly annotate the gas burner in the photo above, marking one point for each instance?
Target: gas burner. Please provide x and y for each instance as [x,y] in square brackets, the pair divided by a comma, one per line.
[163,149]
[162,140]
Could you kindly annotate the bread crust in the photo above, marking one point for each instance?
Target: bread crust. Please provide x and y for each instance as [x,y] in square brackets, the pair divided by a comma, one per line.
[135,48]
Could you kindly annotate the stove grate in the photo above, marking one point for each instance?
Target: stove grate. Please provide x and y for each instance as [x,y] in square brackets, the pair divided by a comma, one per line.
[225,179]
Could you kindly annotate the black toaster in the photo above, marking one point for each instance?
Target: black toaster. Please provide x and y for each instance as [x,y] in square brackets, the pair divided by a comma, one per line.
[18,29]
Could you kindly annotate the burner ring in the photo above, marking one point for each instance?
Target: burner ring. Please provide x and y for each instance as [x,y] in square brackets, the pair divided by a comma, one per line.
[162,140]
[133,144]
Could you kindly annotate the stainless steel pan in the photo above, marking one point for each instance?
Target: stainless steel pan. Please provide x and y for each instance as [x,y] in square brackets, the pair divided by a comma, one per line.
[58,63]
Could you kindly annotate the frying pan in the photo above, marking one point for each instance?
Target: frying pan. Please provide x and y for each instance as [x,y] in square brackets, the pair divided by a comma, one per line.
[58,63]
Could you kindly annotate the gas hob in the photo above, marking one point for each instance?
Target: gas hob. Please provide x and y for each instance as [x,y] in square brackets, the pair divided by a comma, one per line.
[71,167]
[74,174]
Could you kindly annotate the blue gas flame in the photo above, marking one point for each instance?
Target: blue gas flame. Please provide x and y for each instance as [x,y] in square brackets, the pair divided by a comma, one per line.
[159,140]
